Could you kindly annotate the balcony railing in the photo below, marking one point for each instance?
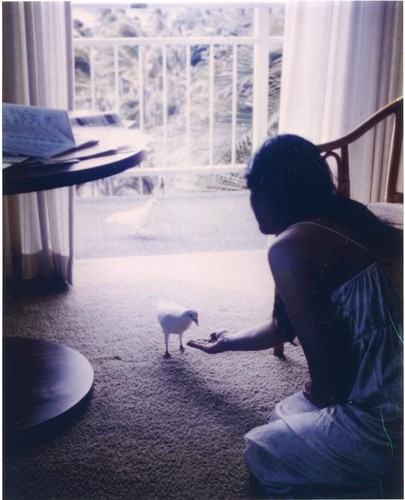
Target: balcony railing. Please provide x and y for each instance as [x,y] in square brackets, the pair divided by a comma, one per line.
[197,97]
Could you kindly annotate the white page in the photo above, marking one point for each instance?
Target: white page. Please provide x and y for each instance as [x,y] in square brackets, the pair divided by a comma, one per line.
[35,131]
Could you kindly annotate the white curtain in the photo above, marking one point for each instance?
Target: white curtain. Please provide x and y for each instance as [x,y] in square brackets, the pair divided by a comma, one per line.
[37,65]
[342,61]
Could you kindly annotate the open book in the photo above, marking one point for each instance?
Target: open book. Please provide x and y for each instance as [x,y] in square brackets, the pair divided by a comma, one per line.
[36,132]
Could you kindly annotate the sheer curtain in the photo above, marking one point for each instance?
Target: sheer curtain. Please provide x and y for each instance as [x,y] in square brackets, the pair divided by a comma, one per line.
[342,61]
[37,65]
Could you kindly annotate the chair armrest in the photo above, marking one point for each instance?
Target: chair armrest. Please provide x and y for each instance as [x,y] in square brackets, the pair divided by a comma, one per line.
[393,213]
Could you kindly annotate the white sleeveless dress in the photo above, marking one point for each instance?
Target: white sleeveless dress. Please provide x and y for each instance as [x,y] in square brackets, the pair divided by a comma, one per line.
[305,450]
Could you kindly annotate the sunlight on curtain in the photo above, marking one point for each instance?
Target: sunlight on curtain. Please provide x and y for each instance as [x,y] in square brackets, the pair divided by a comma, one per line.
[37,227]
[342,61]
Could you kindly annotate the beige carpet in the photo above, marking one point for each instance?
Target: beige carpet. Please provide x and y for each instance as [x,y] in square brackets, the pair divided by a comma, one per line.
[154,428]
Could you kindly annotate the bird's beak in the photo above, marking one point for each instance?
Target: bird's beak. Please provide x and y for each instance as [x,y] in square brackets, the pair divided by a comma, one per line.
[196,321]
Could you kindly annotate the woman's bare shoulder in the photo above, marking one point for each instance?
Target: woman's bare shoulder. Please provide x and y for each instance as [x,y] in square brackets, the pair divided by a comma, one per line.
[296,241]
[315,237]
[293,249]
[317,250]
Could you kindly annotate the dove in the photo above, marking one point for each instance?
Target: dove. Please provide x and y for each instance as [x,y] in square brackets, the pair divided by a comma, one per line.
[174,318]
[138,218]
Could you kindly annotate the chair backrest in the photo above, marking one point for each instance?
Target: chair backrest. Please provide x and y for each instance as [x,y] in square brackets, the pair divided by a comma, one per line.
[339,150]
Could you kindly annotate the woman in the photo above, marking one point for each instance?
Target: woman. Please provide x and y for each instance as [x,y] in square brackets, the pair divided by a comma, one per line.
[337,270]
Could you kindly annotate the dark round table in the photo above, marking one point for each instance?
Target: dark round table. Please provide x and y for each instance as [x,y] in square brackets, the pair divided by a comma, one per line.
[42,381]
[19,179]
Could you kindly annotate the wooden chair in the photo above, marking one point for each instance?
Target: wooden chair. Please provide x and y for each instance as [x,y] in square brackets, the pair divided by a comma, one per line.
[339,150]
[391,208]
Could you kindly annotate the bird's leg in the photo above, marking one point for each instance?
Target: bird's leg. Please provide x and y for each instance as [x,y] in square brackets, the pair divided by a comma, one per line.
[181,343]
[167,354]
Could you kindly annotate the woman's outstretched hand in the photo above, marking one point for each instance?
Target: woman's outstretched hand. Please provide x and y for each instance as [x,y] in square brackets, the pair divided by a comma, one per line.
[252,339]
[214,344]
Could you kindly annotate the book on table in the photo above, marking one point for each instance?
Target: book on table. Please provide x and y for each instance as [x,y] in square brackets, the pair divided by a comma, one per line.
[44,136]
[33,132]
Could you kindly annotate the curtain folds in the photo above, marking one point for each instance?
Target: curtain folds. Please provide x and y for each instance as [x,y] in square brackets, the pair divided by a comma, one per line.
[37,66]
[342,61]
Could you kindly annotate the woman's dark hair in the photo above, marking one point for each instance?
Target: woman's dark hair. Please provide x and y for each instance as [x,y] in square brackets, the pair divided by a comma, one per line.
[296,180]
[298,185]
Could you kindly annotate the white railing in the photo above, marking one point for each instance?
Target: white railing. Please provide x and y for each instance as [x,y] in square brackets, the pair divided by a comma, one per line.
[260,45]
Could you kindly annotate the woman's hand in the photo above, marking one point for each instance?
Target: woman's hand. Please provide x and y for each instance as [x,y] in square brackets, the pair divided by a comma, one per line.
[255,338]
[215,343]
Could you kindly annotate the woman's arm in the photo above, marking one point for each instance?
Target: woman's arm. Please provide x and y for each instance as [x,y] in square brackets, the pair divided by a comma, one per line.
[259,337]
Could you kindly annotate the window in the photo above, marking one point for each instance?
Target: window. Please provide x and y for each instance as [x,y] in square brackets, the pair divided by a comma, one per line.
[188,77]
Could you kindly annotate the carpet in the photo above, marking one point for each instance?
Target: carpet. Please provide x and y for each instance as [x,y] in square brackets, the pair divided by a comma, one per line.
[154,427]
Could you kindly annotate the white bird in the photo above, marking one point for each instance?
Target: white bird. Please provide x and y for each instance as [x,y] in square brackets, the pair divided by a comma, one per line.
[138,218]
[174,318]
